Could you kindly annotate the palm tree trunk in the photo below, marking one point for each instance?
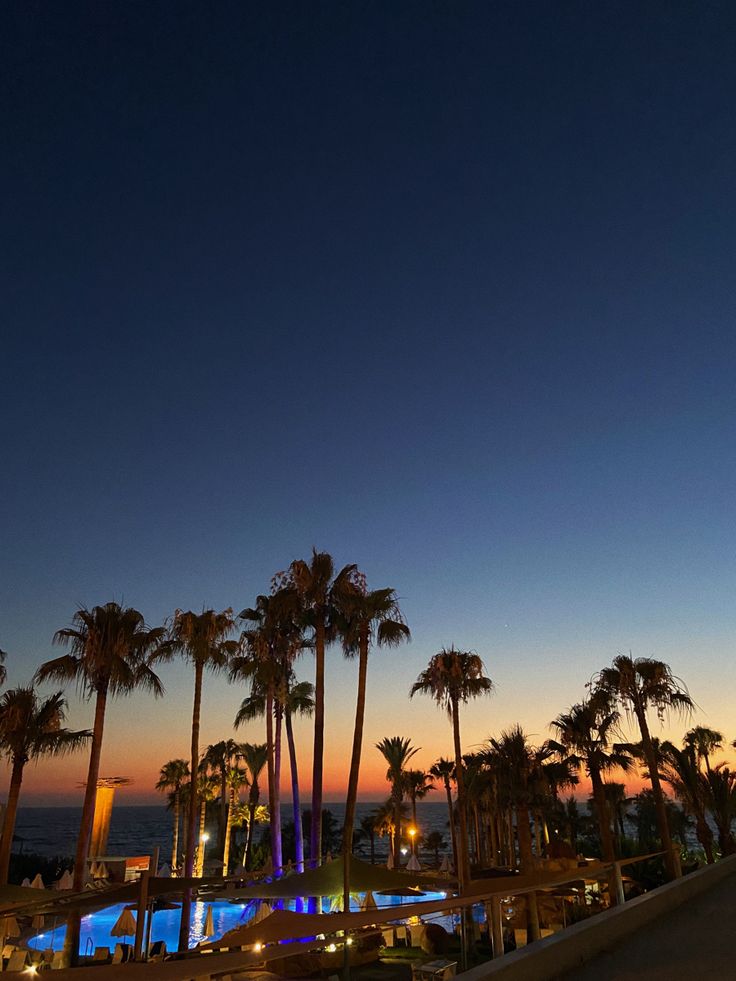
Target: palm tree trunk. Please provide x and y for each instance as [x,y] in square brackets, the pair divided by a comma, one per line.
[175,841]
[315,830]
[11,809]
[224,807]
[398,798]
[705,837]
[604,820]
[71,940]
[228,833]
[451,816]
[463,869]
[200,838]
[373,848]
[295,798]
[252,804]
[191,826]
[278,855]
[271,771]
[662,822]
[353,778]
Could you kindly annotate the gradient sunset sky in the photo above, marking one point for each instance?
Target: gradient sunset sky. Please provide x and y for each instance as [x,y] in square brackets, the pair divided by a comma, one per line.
[445,289]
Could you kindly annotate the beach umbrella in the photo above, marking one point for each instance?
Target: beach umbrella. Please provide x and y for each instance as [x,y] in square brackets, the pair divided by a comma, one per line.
[9,927]
[369,902]
[390,862]
[209,923]
[262,911]
[65,881]
[413,864]
[165,871]
[26,883]
[102,871]
[445,866]
[38,882]
[124,926]
[328,856]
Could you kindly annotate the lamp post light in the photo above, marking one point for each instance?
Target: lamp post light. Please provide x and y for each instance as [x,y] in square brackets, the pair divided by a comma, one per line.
[413,835]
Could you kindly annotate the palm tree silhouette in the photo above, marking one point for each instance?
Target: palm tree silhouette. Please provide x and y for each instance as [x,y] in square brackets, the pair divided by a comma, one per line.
[397,751]
[172,778]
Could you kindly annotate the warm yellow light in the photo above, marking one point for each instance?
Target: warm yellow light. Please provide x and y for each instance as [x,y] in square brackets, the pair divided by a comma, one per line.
[412,832]
[205,837]
[258,947]
[349,941]
[331,949]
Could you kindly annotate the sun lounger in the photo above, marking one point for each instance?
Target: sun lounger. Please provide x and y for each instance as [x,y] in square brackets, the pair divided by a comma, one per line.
[58,960]
[416,933]
[401,935]
[101,954]
[8,950]
[18,961]
[545,932]
[122,954]
[520,938]
[389,940]
[157,950]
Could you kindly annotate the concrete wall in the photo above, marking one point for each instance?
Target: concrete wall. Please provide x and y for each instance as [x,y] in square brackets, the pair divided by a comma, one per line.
[556,956]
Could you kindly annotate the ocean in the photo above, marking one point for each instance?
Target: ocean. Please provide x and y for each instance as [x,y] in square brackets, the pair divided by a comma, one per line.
[136,830]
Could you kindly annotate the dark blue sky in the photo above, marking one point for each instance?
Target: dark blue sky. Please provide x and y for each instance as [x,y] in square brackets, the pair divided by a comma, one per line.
[444,288]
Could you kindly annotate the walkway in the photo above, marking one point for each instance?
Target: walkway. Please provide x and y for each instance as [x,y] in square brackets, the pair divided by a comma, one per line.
[694,941]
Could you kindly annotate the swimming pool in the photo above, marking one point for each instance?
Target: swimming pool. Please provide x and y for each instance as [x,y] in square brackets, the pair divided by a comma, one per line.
[96,927]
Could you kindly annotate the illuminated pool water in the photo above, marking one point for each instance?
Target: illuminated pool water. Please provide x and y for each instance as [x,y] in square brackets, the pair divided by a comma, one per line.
[96,927]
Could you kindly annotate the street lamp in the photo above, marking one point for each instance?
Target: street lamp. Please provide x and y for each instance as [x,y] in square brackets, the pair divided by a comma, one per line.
[412,835]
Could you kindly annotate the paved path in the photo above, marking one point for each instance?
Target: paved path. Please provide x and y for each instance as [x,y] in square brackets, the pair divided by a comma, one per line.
[693,943]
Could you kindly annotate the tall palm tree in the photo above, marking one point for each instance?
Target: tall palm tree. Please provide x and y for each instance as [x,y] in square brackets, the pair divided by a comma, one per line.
[255,756]
[397,751]
[640,684]
[368,618]
[444,770]
[452,678]
[202,639]
[111,652]
[367,826]
[720,786]
[219,758]
[321,595]
[235,778]
[30,730]
[585,736]
[704,742]
[270,645]
[297,699]
[172,777]
[417,785]
[3,669]
[679,768]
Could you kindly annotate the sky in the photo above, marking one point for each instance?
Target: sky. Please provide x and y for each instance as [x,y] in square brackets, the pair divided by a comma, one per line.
[444,289]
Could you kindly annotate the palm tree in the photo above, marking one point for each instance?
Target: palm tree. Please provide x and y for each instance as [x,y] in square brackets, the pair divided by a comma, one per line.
[444,770]
[235,778]
[417,785]
[321,595]
[269,647]
[704,741]
[435,840]
[3,669]
[367,829]
[679,768]
[172,777]
[397,751]
[640,684]
[720,784]
[207,790]
[369,618]
[298,699]
[452,678]
[201,639]
[30,730]
[585,731]
[255,756]
[219,758]
[111,651]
